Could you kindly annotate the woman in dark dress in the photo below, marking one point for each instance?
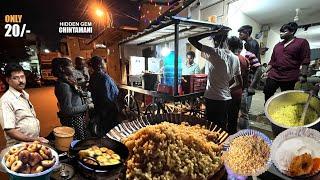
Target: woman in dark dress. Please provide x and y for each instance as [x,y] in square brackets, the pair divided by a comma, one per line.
[72,107]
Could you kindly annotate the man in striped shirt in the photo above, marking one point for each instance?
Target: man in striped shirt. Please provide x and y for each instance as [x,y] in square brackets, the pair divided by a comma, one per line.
[248,92]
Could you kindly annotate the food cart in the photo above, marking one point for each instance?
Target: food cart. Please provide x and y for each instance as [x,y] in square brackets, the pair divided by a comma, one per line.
[172,29]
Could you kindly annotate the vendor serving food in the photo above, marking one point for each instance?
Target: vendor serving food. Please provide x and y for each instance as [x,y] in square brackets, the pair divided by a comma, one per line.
[17,116]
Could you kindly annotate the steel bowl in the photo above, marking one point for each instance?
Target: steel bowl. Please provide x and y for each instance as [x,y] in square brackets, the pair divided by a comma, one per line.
[286,98]
[44,175]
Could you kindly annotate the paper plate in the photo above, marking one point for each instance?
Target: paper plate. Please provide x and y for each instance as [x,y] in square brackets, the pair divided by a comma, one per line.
[249,132]
[298,132]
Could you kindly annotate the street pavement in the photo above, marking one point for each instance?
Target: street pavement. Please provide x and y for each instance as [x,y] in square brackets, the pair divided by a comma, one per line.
[257,118]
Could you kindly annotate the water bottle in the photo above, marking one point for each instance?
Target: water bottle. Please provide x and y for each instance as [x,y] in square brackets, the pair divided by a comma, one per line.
[168,71]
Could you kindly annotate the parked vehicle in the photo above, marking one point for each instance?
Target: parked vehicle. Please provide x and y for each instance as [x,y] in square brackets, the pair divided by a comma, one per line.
[45,65]
[33,79]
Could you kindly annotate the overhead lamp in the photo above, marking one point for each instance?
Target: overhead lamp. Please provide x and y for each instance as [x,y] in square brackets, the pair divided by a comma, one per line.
[99,12]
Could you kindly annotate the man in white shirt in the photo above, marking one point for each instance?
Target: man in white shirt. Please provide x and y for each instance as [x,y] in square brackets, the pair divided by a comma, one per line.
[223,66]
[17,115]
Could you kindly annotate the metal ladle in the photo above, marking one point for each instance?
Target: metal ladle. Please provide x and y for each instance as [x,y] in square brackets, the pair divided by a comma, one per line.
[306,106]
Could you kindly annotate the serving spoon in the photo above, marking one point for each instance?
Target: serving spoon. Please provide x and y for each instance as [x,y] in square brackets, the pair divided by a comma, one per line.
[306,106]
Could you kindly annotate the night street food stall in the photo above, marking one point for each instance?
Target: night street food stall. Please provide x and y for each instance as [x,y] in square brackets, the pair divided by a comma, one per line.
[174,146]
[151,43]
[170,139]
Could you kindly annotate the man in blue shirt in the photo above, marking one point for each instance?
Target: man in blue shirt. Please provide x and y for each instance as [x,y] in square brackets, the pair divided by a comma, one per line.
[190,66]
[104,94]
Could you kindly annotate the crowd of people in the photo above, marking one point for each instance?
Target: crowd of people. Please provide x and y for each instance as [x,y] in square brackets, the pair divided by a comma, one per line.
[234,76]
[85,101]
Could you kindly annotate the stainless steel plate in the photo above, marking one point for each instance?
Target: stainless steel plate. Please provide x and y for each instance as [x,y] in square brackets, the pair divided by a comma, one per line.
[127,128]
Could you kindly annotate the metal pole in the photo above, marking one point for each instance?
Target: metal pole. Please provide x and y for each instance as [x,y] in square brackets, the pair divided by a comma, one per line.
[121,63]
[176,55]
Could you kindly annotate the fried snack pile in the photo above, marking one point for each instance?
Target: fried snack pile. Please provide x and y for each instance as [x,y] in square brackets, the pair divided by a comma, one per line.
[29,158]
[101,155]
[171,151]
[247,155]
[304,165]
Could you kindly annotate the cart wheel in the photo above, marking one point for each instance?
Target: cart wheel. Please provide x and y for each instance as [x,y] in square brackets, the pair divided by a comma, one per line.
[131,106]
[152,109]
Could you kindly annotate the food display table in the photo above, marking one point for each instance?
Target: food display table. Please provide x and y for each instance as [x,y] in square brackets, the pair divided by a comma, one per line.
[79,174]
[70,168]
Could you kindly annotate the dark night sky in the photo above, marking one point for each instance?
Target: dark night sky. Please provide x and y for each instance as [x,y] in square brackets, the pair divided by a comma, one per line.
[43,16]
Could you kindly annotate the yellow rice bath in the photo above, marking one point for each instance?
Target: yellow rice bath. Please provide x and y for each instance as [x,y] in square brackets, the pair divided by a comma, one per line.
[290,115]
